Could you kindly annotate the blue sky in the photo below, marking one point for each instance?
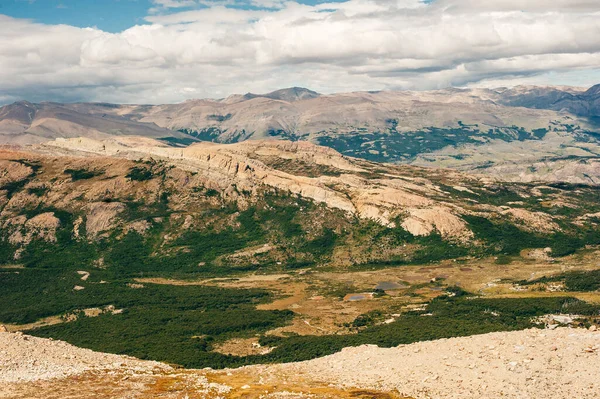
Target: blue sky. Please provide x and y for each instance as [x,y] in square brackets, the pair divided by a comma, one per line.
[108,15]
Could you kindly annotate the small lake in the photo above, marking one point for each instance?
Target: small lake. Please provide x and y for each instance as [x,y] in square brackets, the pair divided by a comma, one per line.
[390,285]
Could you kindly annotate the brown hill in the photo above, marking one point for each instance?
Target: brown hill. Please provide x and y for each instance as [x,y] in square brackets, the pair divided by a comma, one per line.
[27,123]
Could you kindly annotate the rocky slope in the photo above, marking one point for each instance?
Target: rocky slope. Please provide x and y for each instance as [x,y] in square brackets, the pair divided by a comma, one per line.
[24,358]
[523,364]
[578,102]
[246,166]
[417,199]
[26,123]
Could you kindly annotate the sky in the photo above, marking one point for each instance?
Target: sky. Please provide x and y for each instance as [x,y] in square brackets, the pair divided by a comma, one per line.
[165,51]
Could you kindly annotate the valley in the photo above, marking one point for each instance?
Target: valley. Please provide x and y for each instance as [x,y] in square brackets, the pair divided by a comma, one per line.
[226,255]
[299,199]
[222,259]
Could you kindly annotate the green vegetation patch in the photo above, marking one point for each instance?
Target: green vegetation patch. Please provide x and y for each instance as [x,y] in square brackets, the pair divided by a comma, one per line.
[177,324]
[507,239]
[576,281]
[299,167]
[428,249]
[445,317]
[392,145]
[179,141]
[38,191]
[83,174]
[180,325]
[214,133]
[140,173]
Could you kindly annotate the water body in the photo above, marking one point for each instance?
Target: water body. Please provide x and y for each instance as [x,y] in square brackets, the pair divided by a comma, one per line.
[390,285]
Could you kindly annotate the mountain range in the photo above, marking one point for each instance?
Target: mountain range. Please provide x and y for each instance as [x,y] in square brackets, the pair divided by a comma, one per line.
[523,133]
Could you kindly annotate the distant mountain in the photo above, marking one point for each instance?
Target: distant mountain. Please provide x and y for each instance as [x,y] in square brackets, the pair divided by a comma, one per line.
[578,102]
[467,129]
[27,123]
[290,95]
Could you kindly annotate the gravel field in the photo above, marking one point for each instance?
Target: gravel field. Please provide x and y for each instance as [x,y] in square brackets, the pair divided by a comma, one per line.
[24,358]
[560,363]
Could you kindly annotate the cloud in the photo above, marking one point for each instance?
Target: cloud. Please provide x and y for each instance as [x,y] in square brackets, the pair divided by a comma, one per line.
[223,48]
[519,5]
[174,3]
[163,5]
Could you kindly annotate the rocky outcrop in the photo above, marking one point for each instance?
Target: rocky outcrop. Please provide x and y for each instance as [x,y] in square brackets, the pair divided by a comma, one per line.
[423,222]
[13,172]
[532,221]
[101,217]
[22,231]
[239,164]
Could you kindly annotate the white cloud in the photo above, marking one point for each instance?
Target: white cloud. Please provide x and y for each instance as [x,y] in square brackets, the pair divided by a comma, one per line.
[174,3]
[519,5]
[352,45]
[162,5]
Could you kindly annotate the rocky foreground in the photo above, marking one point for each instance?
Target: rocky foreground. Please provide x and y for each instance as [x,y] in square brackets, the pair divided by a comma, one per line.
[561,363]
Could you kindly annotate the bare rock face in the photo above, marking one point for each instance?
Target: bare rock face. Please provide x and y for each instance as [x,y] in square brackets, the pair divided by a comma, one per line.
[44,226]
[13,172]
[423,222]
[347,186]
[23,230]
[102,216]
[140,226]
[532,221]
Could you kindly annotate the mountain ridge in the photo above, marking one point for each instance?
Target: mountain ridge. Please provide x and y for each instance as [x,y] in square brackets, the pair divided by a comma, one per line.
[439,128]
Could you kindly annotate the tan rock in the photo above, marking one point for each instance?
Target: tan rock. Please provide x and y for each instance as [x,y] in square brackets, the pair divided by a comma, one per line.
[532,221]
[101,217]
[13,171]
[422,222]
[42,226]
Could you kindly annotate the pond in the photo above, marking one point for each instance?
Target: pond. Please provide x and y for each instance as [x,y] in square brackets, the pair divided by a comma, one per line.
[390,285]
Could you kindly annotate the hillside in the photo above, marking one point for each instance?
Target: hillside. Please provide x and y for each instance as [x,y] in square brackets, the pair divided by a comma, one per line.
[578,102]
[284,246]
[475,130]
[27,123]
[419,201]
